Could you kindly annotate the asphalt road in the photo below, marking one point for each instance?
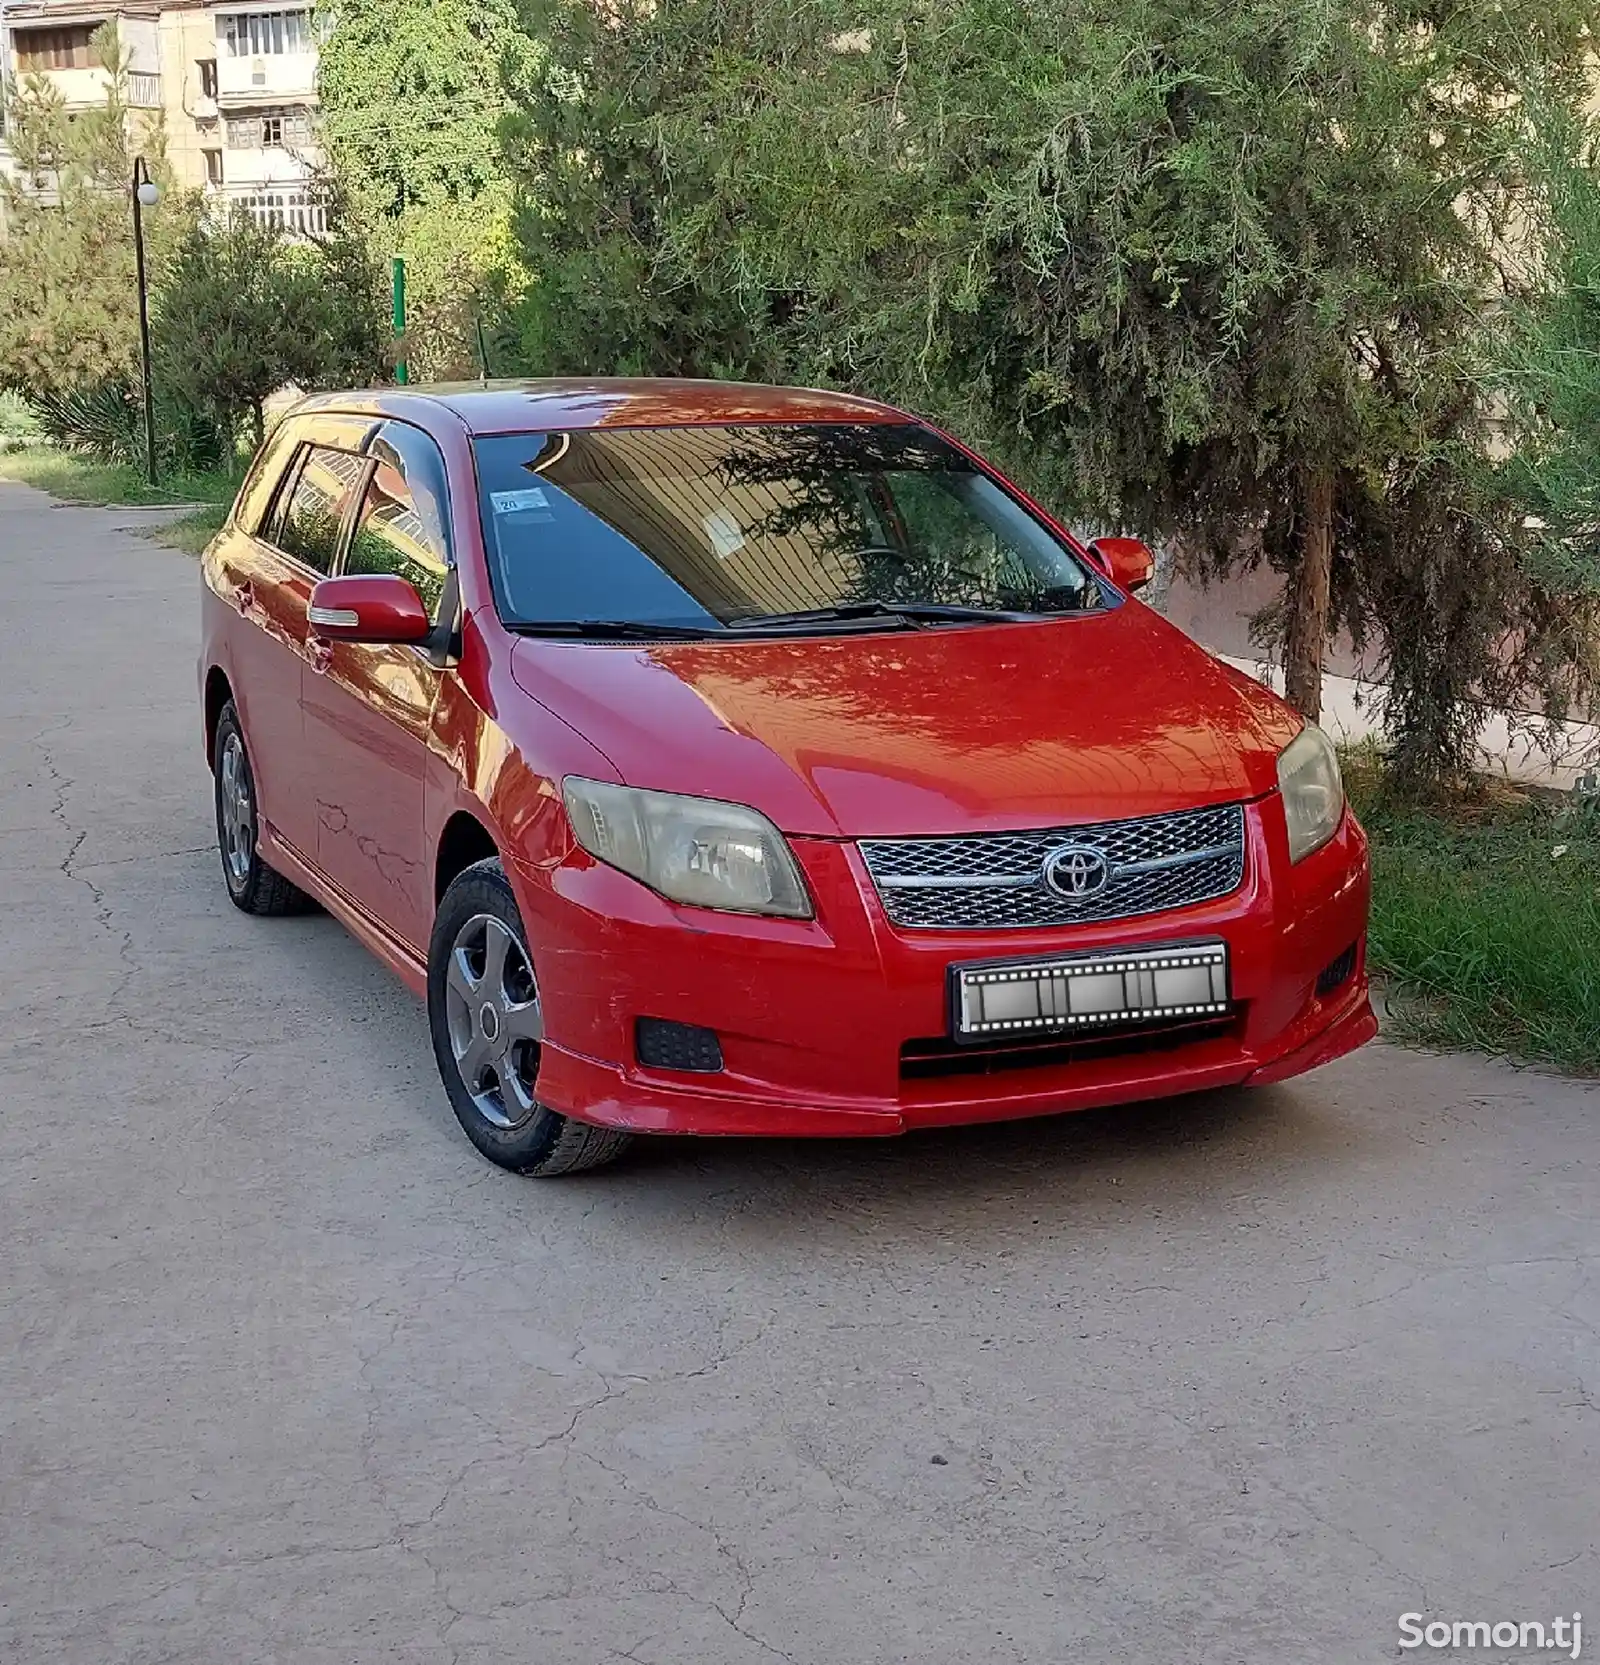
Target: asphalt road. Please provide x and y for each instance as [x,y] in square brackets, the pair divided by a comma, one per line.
[289,1374]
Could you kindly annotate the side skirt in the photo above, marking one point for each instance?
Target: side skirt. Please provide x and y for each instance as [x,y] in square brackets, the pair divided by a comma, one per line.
[373,935]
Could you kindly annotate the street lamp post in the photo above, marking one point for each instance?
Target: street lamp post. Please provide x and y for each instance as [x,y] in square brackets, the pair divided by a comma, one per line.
[146,194]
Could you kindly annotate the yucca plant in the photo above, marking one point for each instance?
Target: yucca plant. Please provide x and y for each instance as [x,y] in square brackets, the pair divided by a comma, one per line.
[105,420]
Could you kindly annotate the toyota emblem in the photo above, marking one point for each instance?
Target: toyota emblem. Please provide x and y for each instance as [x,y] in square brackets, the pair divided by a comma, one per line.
[1077,871]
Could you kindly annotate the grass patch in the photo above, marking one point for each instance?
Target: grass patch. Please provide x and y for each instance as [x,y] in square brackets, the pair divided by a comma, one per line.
[76,479]
[1485,916]
[193,531]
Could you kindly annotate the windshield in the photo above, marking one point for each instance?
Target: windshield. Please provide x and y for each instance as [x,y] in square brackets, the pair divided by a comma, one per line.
[733,528]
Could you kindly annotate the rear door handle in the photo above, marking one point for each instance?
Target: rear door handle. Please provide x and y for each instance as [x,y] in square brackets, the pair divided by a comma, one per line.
[320,652]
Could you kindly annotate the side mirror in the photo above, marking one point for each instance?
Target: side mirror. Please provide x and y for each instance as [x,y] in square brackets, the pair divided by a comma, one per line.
[1126,562]
[381,608]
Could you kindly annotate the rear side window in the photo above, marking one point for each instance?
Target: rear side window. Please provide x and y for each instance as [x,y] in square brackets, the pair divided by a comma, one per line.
[404,515]
[313,518]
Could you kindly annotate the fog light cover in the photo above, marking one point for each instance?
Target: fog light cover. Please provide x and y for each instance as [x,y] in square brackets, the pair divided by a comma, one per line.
[1337,972]
[664,1045]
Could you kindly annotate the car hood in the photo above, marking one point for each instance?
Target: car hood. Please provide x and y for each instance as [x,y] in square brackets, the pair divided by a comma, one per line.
[944,730]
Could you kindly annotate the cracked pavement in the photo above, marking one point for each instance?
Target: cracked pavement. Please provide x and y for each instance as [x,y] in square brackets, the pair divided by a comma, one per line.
[289,1374]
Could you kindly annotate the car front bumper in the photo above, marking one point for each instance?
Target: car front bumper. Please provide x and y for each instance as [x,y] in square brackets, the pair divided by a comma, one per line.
[819,1020]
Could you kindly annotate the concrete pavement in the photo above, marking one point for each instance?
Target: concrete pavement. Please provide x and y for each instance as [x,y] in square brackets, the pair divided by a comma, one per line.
[288,1374]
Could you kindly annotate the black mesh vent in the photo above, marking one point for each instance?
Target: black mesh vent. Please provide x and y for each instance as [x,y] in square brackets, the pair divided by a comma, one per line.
[1337,971]
[921,1060]
[663,1045]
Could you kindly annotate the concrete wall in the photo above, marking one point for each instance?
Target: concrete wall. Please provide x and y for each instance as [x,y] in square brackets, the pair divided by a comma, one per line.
[193,126]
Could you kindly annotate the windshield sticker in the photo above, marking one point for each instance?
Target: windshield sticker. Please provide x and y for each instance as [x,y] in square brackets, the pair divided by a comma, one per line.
[518,502]
[725,533]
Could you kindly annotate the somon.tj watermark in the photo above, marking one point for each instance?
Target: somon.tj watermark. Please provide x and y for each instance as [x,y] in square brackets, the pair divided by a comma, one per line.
[1526,1635]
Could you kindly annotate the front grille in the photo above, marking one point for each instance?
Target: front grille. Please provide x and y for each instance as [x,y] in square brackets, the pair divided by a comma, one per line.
[996,881]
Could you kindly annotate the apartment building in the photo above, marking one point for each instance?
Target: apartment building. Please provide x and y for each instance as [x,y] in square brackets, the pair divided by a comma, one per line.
[235,83]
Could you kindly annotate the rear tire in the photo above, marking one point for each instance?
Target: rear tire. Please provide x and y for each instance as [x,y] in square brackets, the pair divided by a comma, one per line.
[487,1024]
[253,887]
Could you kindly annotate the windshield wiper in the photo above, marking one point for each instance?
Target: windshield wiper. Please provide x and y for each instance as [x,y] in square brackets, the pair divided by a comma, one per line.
[613,629]
[911,612]
[1064,598]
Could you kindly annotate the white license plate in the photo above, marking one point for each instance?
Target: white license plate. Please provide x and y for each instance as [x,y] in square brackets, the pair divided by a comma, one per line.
[1084,991]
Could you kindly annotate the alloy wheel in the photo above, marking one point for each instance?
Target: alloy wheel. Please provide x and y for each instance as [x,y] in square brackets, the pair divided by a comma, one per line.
[495,1022]
[236,813]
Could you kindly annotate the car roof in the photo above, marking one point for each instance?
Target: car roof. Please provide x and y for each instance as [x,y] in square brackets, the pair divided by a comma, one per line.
[538,405]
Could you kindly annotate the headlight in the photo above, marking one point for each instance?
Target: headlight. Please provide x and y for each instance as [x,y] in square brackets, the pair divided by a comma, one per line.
[695,850]
[1313,794]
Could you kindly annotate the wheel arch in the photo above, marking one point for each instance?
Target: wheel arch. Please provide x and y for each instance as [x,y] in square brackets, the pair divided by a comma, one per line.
[218,692]
[464,839]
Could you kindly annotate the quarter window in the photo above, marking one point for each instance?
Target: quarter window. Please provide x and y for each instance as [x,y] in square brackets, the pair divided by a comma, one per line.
[318,505]
[268,485]
[402,528]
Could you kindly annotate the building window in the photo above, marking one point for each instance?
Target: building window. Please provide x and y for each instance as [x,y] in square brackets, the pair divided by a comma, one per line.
[298,213]
[45,49]
[213,166]
[278,129]
[208,77]
[265,34]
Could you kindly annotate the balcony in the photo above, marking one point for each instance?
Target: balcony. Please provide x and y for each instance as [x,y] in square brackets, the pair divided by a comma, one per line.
[284,77]
[85,89]
[65,55]
[266,57]
[78,89]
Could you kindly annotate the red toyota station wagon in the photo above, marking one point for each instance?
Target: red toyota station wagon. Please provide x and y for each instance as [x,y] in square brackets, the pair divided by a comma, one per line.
[749,760]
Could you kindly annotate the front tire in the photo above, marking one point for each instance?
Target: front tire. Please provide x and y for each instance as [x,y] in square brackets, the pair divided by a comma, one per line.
[487,1024]
[253,887]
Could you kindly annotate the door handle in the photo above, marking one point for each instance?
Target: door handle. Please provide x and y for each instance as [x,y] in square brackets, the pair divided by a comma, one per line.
[320,652]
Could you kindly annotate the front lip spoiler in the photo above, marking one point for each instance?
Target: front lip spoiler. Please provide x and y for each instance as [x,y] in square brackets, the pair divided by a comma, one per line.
[1348,1031]
[591,1090]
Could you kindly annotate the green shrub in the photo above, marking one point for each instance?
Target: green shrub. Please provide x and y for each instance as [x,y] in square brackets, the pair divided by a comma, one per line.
[245,311]
[105,420]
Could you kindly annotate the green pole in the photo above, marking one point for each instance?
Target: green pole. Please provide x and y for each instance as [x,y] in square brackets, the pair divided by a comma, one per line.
[399,320]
